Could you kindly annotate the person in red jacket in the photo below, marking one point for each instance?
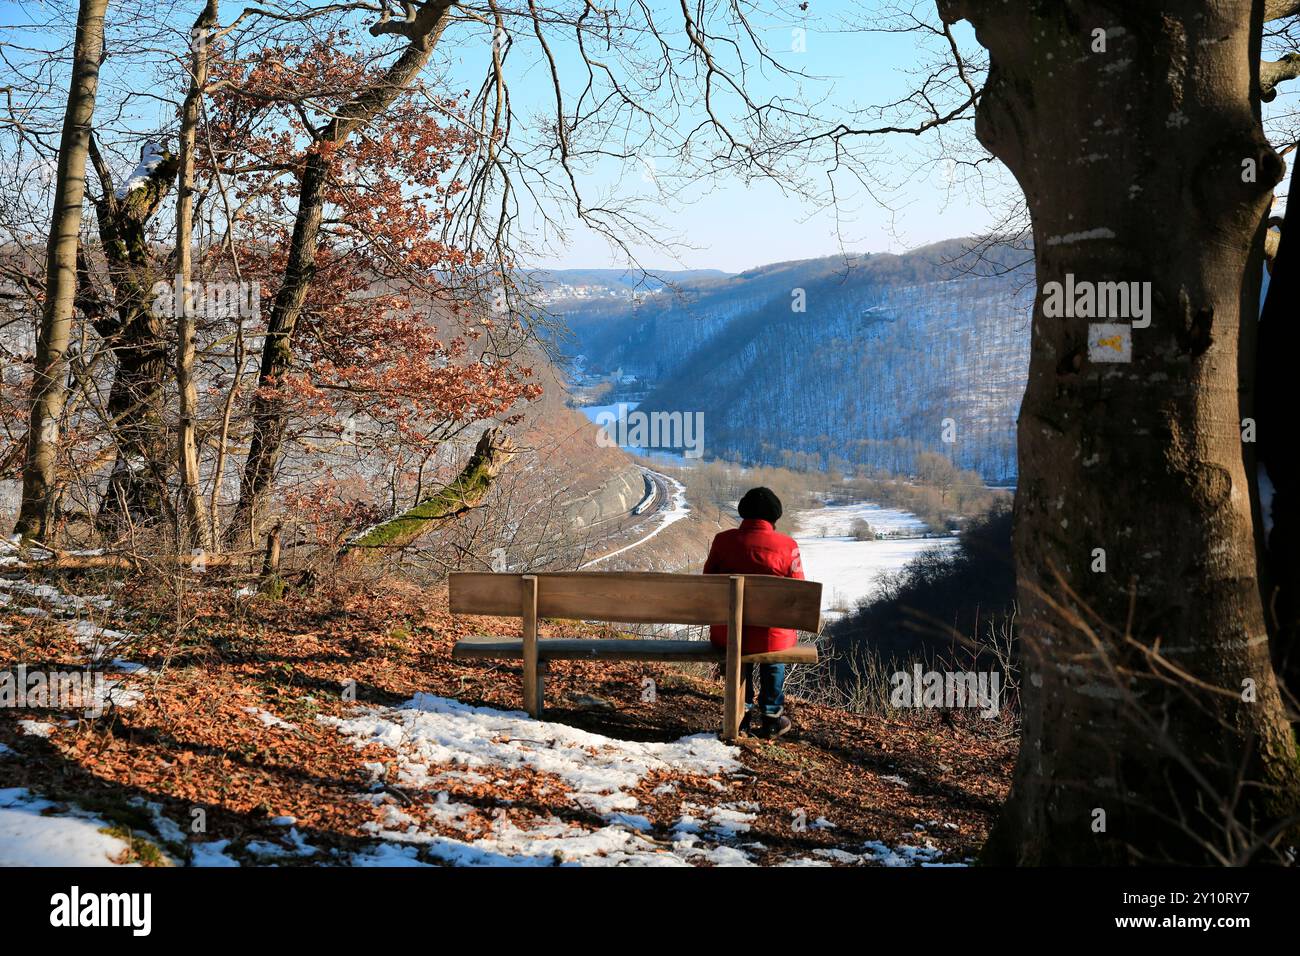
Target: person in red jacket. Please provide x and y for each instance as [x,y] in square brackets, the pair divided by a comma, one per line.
[756,547]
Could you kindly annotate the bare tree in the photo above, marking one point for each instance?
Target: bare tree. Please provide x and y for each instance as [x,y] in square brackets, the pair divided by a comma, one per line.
[193,506]
[49,387]
[135,333]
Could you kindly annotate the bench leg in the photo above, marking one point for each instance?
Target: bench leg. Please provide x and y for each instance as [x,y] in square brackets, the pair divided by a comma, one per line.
[533,685]
[532,674]
[731,702]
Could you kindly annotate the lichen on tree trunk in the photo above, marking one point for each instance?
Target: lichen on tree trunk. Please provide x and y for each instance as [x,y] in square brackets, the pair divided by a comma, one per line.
[466,491]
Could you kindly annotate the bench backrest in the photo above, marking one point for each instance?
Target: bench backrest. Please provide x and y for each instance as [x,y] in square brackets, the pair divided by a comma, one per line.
[642,597]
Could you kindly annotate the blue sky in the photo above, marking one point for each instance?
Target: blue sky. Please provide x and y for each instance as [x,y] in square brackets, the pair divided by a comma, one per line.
[717,222]
[724,223]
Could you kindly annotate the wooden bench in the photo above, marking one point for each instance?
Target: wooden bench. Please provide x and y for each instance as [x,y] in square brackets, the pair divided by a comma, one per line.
[637,598]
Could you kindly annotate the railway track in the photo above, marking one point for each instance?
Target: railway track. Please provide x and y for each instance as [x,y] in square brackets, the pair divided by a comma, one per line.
[662,497]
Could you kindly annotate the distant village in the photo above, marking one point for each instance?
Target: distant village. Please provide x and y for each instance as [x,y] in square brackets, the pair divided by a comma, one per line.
[563,292]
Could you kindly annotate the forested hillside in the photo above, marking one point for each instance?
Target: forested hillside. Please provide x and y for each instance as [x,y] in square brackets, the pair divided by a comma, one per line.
[885,350]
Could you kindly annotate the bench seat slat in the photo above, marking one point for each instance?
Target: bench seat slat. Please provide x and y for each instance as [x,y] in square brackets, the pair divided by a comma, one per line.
[643,597]
[621,649]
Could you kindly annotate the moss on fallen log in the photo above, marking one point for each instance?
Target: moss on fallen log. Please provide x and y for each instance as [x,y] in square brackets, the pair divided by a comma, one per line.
[466,491]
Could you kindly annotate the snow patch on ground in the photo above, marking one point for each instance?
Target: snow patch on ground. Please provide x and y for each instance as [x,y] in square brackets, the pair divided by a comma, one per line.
[58,600]
[101,644]
[726,821]
[32,836]
[269,719]
[927,854]
[428,733]
[35,831]
[294,846]
[435,737]
[551,842]
[876,853]
[213,854]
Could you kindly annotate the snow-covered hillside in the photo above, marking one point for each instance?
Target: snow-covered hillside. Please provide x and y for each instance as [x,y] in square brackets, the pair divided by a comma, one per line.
[869,361]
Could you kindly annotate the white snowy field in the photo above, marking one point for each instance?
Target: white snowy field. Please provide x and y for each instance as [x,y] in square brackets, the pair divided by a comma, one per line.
[848,569]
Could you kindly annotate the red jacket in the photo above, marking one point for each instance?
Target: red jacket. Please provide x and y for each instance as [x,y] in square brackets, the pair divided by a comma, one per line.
[755,548]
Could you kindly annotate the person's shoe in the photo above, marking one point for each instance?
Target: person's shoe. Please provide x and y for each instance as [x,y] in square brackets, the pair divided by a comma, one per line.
[749,721]
[775,725]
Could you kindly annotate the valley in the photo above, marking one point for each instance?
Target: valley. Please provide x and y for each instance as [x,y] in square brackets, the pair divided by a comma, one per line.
[863,361]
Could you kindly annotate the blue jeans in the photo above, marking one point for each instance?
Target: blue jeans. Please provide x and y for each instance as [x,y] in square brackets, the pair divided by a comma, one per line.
[771,687]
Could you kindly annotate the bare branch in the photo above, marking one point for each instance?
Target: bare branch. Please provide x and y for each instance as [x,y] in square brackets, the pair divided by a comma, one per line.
[1277,9]
[1273,72]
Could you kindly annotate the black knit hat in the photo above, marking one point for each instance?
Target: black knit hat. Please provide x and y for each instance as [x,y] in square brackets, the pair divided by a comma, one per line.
[760,503]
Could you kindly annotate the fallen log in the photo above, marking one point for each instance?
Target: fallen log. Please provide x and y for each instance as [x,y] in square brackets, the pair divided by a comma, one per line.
[73,562]
[466,491]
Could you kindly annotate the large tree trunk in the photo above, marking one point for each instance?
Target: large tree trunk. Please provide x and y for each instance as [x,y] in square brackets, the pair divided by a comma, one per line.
[1153,728]
[422,33]
[277,350]
[136,494]
[49,385]
[187,448]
